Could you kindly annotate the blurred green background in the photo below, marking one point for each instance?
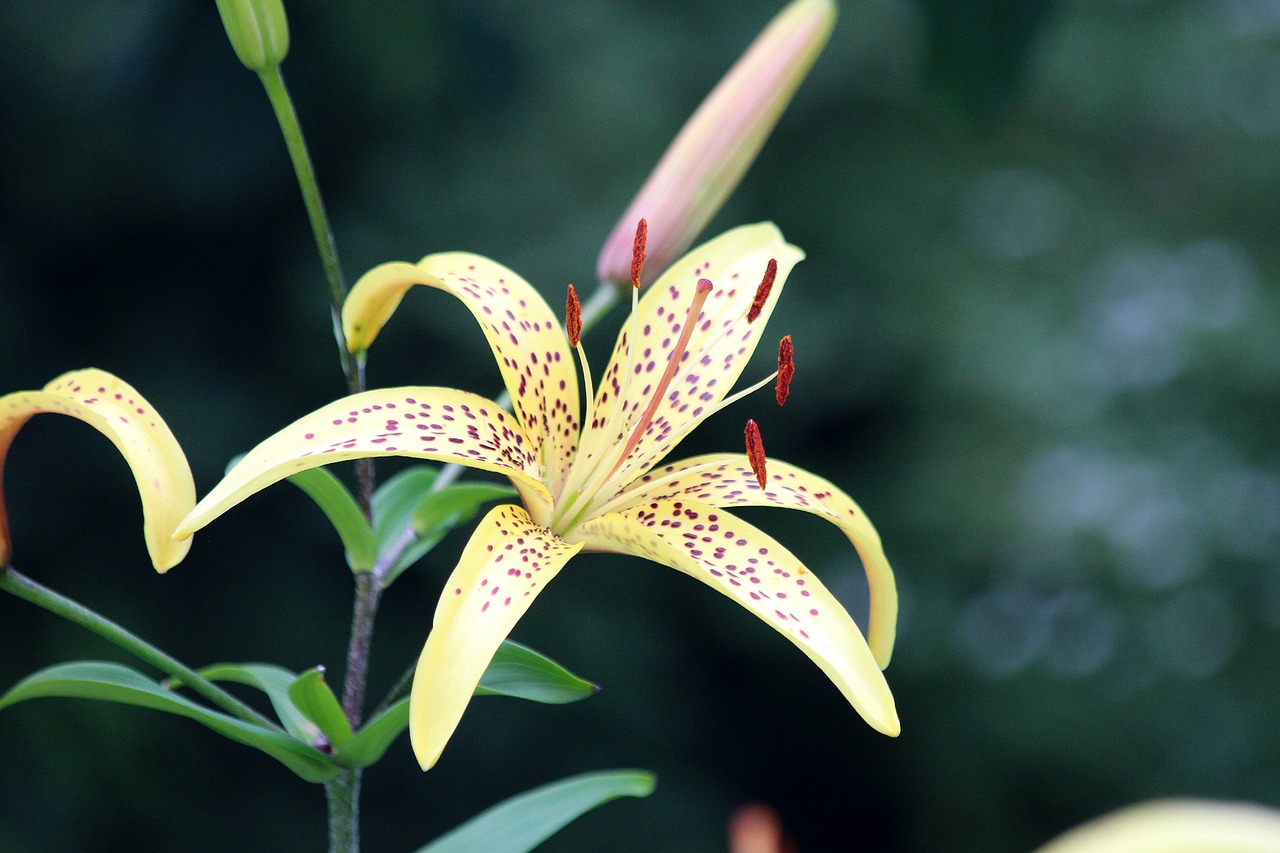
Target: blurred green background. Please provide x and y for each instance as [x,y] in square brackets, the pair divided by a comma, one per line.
[1037,339]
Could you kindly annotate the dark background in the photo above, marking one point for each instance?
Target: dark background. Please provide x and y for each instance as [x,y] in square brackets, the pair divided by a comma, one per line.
[1036,337]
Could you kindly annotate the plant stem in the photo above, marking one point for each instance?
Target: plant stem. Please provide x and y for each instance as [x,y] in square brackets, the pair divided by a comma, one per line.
[343,794]
[287,117]
[322,231]
[13,581]
[365,608]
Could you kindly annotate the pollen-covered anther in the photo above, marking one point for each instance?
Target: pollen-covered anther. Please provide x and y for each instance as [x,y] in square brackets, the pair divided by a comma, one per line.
[755,452]
[573,317]
[637,252]
[762,292]
[786,369]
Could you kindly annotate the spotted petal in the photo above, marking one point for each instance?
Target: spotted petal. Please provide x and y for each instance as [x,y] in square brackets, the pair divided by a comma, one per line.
[120,413]
[728,554]
[734,262]
[442,424]
[726,479]
[523,332]
[507,562]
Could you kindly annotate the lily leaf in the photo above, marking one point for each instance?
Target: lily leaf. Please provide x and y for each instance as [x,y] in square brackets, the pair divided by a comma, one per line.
[272,680]
[406,501]
[343,513]
[375,737]
[116,683]
[316,701]
[394,500]
[521,823]
[519,671]
[516,670]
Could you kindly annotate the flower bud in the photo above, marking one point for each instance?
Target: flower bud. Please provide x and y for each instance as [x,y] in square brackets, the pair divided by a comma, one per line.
[719,142]
[258,31]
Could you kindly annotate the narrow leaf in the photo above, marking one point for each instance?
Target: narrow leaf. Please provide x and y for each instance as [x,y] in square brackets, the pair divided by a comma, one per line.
[520,671]
[317,703]
[516,670]
[373,740]
[394,500]
[412,519]
[115,683]
[521,823]
[272,680]
[440,512]
[343,513]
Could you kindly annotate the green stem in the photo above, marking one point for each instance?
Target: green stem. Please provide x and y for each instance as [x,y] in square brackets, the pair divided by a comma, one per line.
[343,794]
[322,231]
[11,580]
[273,82]
[365,609]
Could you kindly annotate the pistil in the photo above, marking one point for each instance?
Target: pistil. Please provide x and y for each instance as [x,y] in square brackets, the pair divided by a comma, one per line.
[594,481]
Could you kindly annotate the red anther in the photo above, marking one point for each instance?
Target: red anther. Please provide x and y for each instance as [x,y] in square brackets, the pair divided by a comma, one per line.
[573,317]
[637,253]
[755,452]
[786,369]
[762,292]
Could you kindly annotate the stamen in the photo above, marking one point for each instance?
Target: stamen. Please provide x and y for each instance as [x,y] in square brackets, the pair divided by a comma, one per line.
[786,369]
[573,325]
[637,253]
[755,452]
[762,292]
[573,317]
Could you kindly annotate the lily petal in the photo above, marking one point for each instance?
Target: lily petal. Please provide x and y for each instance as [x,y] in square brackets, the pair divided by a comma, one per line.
[726,479]
[507,562]
[747,565]
[116,410]
[734,262]
[523,332]
[441,424]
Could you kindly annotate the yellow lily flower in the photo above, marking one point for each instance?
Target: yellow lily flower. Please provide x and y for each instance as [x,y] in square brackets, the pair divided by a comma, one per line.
[120,413]
[595,481]
[1176,826]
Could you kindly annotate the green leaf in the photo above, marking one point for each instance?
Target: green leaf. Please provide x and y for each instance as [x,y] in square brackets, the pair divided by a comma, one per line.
[272,680]
[394,500]
[318,704]
[519,671]
[516,670]
[343,513]
[524,821]
[375,737]
[440,512]
[115,683]
[406,500]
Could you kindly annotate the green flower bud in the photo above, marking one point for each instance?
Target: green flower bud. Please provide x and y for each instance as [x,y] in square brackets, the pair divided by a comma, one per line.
[258,31]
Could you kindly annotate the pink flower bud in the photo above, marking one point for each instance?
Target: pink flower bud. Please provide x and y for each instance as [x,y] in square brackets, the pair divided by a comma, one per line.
[719,142]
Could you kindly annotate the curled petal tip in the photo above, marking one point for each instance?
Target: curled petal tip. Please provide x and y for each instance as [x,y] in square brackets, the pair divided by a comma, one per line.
[119,412]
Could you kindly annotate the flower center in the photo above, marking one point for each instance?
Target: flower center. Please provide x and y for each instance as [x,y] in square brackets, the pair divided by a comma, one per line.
[589,489]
